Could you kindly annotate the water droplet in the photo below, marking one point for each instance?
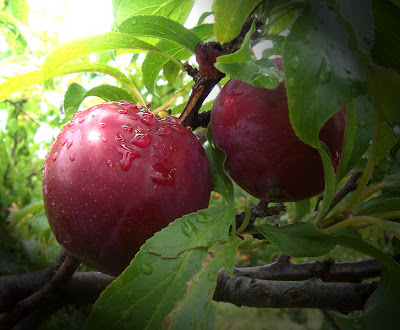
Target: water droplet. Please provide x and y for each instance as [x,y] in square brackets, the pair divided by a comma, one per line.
[133,117]
[203,217]
[120,138]
[290,82]
[64,142]
[92,115]
[54,158]
[71,123]
[347,71]
[45,191]
[110,163]
[102,125]
[69,144]
[127,128]
[128,155]
[129,294]
[188,228]
[81,120]
[163,175]
[104,139]
[156,145]
[122,111]
[147,269]
[72,157]
[163,131]
[147,117]
[64,236]
[361,124]
[295,62]
[141,140]
[324,71]
[173,123]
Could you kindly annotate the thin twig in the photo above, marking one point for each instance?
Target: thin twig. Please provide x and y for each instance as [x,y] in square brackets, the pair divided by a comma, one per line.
[24,112]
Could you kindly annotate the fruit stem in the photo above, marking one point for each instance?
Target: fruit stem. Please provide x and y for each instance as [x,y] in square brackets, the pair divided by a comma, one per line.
[246,219]
[136,94]
[163,107]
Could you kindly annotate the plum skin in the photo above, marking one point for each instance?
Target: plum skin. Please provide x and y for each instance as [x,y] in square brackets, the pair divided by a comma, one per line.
[117,174]
[264,156]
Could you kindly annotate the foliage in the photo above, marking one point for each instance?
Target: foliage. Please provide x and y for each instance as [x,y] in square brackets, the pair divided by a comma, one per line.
[336,53]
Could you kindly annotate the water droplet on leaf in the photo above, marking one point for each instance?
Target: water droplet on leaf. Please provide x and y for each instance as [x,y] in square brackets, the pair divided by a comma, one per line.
[295,62]
[324,71]
[147,269]
[188,228]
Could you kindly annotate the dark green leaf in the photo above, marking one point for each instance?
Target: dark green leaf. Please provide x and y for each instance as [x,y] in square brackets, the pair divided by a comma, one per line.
[298,240]
[160,27]
[322,71]
[220,179]
[230,16]
[302,209]
[359,13]
[196,306]
[386,49]
[73,97]
[155,281]
[379,205]
[384,86]
[20,10]
[358,134]
[177,10]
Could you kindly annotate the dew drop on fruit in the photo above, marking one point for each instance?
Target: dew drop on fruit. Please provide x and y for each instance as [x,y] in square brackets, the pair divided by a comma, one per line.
[295,62]
[110,163]
[188,228]
[45,191]
[147,269]
[163,131]
[128,155]
[141,140]
[81,120]
[69,144]
[72,157]
[54,158]
[163,175]
[324,71]
[173,123]
[156,145]
[122,111]
[120,138]
[102,125]
[64,142]
[127,128]
[104,139]
[147,117]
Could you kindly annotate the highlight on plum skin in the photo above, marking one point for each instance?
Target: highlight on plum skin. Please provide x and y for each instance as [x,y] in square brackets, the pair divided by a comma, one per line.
[117,174]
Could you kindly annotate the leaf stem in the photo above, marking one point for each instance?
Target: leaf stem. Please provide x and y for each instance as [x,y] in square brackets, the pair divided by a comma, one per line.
[246,220]
[173,98]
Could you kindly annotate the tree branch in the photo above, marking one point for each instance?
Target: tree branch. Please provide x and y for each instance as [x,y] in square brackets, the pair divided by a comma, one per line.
[313,293]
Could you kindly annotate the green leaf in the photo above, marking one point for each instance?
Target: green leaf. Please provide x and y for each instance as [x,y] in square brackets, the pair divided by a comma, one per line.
[154,62]
[20,82]
[378,205]
[358,134]
[161,272]
[359,13]
[302,209]
[322,71]
[384,86]
[282,23]
[220,180]
[79,48]
[386,48]
[20,10]
[298,240]
[160,27]
[240,65]
[73,97]
[177,10]
[76,94]
[229,17]
[171,71]
[196,306]
[381,310]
